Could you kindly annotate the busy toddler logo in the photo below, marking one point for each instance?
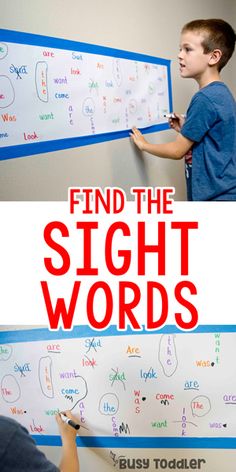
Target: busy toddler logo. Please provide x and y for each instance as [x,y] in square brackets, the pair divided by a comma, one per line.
[119,260]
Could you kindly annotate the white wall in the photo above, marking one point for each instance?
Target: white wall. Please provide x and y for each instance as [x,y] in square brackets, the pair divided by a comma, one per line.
[151,27]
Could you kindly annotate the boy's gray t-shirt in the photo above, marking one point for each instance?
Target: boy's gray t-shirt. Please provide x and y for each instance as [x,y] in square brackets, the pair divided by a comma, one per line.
[211,124]
[18,451]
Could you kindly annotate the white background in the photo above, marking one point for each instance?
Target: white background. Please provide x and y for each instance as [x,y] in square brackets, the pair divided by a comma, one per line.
[212,260]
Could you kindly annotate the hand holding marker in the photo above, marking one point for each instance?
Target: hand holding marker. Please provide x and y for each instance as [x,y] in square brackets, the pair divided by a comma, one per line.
[173,116]
[69,421]
[175,120]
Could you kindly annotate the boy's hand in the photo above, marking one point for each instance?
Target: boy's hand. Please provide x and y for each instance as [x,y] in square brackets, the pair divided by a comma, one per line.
[66,431]
[138,138]
[177,122]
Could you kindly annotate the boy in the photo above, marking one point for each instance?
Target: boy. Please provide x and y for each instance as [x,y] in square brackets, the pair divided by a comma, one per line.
[207,137]
[18,451]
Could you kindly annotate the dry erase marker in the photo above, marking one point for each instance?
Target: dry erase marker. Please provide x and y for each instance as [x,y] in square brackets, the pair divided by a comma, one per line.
[69,421]
[172,115]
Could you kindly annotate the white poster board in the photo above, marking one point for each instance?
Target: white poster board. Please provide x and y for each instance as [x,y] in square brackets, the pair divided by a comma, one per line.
[57,94]
[127,390]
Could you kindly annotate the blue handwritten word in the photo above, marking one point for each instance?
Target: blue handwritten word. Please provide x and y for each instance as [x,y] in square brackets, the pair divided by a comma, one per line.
[92,344]
[22,368]
[18,71]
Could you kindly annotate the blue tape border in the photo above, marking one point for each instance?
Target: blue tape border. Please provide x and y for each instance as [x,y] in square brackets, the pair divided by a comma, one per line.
[84,331]
[23,150]
[142,443]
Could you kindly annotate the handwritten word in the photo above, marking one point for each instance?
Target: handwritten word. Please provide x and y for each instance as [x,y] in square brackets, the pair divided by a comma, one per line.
[36,429]
[61,95]
[23,368]
[217,346]
[93,85]
[47,116]
[117,376]
[71,115]
[18,71]
[41,81]
[191,385]
[6,391]
[229,399]
[202,363]
[60,80]
[76,56]
[4,350]
[89,362]
[108,408]
[184,426]
[116,120]
[48,53]
[75,71]
[17,411]
[109,83]
[53,347]
[104,103]
[159,424]
[114,426]
[81,411]
[93,129]
[68,375]
[217,425]
[52,412]
[137,401]
[133,351]
[165,396]
[30,137]
[7,117]
[89,344]
[70,391]
[151,374]
[109,404]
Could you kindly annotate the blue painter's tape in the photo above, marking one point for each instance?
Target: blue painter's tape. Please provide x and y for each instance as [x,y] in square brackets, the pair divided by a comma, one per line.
[84,331]
[19,37]
[142,443]
[22,150]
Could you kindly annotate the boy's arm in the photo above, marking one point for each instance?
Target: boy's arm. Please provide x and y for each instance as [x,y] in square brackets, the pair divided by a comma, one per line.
[173,150]
[69,460]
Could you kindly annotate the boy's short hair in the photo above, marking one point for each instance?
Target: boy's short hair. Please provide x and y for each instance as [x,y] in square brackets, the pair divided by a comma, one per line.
[218,35]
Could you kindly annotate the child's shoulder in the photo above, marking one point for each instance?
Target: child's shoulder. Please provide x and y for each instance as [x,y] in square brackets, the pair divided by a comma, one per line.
[216,94]
[215,89]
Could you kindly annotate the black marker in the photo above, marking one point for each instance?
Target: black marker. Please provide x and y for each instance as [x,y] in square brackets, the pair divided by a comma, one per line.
[172,116]
[70,422]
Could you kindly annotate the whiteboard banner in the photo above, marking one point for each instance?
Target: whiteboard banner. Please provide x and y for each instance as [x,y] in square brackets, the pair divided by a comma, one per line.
[165,390]
[57,94]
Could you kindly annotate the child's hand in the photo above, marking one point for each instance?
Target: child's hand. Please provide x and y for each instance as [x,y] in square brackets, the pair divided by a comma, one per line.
[177,122]
[66,431]
[138,138]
